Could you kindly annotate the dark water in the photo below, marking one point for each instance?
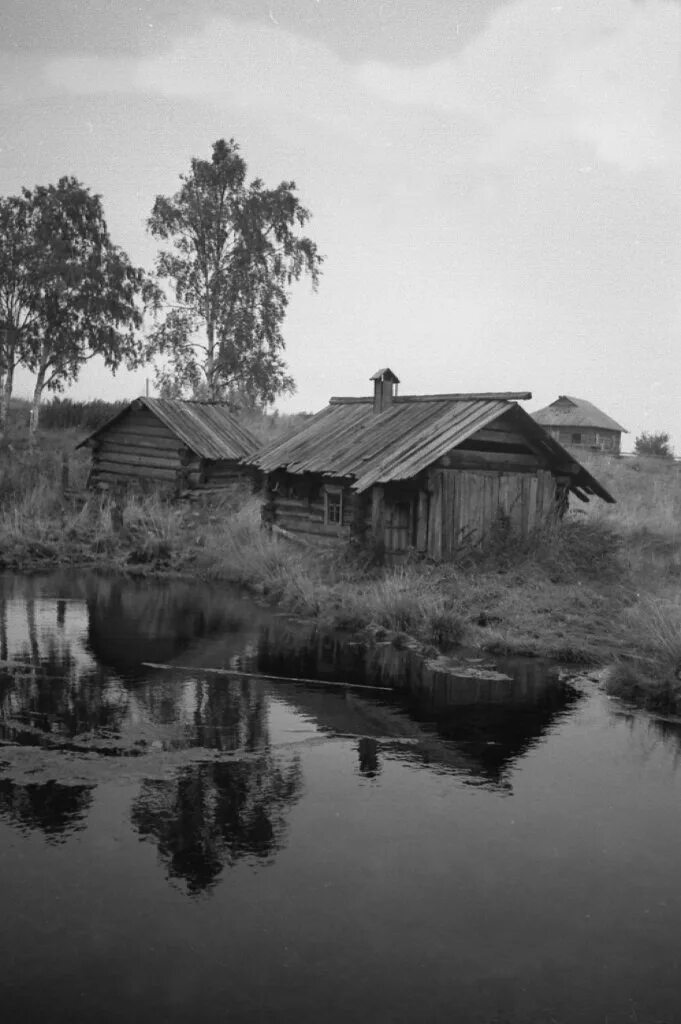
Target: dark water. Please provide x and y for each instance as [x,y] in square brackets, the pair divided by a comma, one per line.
[180,846]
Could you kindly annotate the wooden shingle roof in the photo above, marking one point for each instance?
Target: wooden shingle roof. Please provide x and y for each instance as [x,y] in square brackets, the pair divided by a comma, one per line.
[208,429]
[348,439]
[567,411]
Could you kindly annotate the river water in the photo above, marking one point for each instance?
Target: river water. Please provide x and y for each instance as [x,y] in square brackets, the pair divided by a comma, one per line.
[177,845]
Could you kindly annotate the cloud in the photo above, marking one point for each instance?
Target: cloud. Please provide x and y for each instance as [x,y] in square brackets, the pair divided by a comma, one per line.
[604,74]
[238,64]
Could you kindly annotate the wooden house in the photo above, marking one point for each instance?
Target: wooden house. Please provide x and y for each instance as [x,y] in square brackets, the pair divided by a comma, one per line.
[170,443]
[579,424]
[423,473]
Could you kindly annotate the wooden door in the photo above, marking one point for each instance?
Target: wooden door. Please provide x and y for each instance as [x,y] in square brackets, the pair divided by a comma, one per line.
[399,526]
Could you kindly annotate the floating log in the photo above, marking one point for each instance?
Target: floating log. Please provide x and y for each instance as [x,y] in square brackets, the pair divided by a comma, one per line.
[233,672]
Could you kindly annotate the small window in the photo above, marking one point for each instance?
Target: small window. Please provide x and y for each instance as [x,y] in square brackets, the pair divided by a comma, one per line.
[333,507]
[576,439]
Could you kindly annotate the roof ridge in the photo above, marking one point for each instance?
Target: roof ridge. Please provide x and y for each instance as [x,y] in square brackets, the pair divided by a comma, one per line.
[457,396]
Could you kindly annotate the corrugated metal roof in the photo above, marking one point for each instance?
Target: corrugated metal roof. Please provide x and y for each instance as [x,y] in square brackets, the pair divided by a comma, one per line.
[209,430]
[348,439]
[580,414]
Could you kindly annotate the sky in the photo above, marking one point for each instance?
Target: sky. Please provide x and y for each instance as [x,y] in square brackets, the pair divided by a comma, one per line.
[495,184]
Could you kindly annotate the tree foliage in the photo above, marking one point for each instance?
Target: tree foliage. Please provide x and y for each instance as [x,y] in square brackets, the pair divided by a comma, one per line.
[18,317]
[71,294]
[654,444]
[235,250]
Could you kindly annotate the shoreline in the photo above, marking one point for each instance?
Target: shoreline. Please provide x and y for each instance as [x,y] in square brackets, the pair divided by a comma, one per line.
[599,589]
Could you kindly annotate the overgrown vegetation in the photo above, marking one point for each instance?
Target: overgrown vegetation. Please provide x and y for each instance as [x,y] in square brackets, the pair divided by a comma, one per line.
[65,414]
[651,443]
[233,250]
[67,292]
[600,588]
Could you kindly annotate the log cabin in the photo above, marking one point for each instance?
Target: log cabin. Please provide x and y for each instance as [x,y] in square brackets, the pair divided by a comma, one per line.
[172,444]
[580,424]
[419,473]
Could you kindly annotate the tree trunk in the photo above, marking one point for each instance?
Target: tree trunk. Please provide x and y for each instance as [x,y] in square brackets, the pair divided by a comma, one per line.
[35,407]
[6,394]
[210,360]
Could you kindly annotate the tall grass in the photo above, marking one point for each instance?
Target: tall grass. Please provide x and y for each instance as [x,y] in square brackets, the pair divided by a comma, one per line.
[647,493]
[599,587]
[648,669]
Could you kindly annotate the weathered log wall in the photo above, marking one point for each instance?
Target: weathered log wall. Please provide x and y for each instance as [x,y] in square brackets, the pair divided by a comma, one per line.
[297,504]
[139,447]
[494,478]
[222,473]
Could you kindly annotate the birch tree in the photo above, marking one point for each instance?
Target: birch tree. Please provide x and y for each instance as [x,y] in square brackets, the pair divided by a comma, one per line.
[92,298]
[74,294]
[235,250]
[18,316]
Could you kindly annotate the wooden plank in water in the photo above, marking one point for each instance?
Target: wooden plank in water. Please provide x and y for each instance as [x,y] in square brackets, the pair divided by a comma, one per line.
[238,674]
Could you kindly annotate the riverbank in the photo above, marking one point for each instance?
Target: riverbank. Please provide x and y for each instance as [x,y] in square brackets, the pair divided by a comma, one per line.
[600,588]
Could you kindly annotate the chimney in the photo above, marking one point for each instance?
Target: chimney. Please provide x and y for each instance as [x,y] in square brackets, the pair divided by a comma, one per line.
[385,389]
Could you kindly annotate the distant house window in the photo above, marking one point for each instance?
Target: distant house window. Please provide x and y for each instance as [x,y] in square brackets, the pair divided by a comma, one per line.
[333,507]
[576,439]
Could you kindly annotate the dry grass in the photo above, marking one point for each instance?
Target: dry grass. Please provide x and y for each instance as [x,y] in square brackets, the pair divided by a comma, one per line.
[601,587]
[647,492]
[648,670]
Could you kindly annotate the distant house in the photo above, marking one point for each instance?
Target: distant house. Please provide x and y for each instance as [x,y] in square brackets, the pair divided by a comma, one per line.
[172,443]
[424,473]
[578,423]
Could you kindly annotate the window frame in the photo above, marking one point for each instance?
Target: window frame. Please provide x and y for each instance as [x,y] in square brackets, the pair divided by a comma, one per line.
[336,494]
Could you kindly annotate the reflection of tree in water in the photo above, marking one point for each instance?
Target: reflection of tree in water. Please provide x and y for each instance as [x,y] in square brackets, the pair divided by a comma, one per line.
[206,711]
[369,762]
[56,696]
[55,809]
[130,622]
[51,687]
[212,815]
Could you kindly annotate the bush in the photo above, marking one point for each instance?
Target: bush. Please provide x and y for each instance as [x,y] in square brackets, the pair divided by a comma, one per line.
[654,444]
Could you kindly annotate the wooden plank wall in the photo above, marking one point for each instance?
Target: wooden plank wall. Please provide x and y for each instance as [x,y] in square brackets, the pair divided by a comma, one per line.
[139,446]
[465,505]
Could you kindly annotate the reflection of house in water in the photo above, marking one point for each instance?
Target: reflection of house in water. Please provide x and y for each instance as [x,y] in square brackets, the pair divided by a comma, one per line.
[51,807]
[209,816]
[477,726]
[133,621]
